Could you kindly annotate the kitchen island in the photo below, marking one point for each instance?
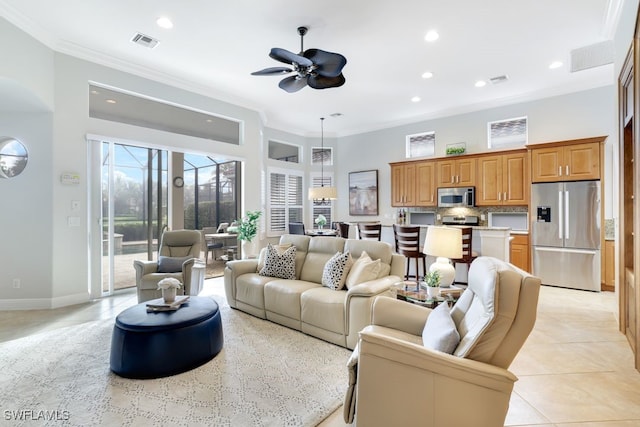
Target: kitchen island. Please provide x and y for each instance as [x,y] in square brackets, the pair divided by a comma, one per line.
[487,241]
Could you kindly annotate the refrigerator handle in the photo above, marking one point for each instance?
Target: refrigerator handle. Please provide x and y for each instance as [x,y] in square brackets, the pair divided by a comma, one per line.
[566,214]
[560,219]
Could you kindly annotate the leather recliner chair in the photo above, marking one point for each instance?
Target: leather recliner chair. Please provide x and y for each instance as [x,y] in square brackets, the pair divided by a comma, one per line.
[396,380]
[178,252]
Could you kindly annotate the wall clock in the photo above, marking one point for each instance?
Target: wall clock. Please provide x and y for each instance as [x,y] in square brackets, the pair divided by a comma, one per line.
[178,181]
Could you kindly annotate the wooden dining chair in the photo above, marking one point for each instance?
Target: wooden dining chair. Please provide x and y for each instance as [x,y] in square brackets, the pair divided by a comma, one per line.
[468,255]
[367,231]
[407,238]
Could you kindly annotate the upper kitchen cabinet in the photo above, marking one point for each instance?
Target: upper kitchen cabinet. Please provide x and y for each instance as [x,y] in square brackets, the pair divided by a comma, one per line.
[413,184]
[503,180]
[403,184]
[459,172]
[426,183]
[576,160]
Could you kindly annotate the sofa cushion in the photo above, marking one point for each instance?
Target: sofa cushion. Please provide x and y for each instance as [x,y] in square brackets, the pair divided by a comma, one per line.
[376,250]
[263,254]
[170,264]
[321,249]
[301,243]
[335,271]
[284,297]
[363,270]
[324,309]
[280,265]
[439,331]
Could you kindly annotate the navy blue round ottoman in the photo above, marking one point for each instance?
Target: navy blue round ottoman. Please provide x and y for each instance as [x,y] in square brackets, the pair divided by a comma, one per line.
[159,344]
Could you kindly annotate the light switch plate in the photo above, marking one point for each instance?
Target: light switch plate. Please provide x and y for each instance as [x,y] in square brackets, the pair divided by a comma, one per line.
[73,221]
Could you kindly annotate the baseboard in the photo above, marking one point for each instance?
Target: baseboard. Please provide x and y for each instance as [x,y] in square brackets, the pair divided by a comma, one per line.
[43,303]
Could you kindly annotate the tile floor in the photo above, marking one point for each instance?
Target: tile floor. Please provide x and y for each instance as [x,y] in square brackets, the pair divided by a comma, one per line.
[575,369]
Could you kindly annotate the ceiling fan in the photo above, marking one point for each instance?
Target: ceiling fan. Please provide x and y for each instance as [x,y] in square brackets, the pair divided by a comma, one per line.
[314,67]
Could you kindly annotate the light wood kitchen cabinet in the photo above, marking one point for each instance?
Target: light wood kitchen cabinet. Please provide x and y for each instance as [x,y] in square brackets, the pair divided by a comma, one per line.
[609,265]
[503,180]
[403,184]
[413,184]
[567,161]
[426,184]
[457,172]
[519,253]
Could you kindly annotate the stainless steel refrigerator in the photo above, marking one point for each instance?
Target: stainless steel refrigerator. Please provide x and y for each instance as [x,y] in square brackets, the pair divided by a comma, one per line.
[565,234]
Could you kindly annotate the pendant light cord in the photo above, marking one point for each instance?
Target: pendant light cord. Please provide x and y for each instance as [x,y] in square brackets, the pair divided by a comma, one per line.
[322,151]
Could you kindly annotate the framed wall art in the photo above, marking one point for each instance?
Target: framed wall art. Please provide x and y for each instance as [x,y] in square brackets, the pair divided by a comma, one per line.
[363,192]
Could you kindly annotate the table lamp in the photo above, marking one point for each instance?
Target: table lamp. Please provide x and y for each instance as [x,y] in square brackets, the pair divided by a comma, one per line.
[444,243]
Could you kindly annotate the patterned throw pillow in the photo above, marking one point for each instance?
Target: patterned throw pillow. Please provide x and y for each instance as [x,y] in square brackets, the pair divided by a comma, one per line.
[280,265]
[335,270]
[263,254]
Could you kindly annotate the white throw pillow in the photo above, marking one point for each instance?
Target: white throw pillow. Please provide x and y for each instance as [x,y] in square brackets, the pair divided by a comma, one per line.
[440,331]
[280,265]
[363,270]
[336,269]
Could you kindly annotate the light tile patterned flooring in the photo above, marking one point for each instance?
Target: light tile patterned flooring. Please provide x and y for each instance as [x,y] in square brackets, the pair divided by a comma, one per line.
[575,369]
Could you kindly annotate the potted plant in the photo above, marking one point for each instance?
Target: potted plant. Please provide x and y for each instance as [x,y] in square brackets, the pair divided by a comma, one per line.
[169,288]
[247,231]
[321,221]
[432,280]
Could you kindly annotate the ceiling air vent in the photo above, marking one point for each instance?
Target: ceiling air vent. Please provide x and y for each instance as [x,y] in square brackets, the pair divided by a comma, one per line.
[499,79]
[144,40]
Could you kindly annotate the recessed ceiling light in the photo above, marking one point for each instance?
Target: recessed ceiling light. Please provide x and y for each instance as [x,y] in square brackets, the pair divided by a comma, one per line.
[555,64]
[432,36]
[209,121]
[416,99]
[164,22]
[95,92]
[110,101]
[481,83]
[427,75]
[336,114]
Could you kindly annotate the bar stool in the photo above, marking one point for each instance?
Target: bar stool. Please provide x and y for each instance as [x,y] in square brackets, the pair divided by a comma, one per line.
[468,255]
[369,231]
[407,238]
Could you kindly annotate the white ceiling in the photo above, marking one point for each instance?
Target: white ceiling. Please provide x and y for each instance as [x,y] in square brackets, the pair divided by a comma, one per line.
[215,45]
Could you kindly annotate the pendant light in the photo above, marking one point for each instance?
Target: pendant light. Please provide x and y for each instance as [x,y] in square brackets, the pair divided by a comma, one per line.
[322,195]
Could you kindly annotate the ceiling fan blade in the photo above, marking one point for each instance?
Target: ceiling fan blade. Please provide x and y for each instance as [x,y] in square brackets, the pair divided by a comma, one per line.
[271,71]
[287,57]
[321,82]
[292,84]
[328,64]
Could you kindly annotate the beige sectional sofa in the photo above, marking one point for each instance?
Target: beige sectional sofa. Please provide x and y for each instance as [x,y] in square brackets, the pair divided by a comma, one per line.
[303,303]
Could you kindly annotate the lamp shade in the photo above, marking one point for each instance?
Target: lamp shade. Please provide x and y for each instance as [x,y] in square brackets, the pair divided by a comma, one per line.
[326,193]
[445,242]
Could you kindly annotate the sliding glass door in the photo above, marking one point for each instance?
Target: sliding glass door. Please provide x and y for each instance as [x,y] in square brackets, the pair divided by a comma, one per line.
[133,209]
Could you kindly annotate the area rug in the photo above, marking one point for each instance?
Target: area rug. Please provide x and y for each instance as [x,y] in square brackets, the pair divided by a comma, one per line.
[266,375]
[214,269]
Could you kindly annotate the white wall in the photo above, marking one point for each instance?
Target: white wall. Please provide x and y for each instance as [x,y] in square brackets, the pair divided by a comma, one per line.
[49,257]
[578,115]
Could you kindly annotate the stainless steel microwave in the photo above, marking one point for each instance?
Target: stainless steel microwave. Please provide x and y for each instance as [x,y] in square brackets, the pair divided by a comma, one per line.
[456,196]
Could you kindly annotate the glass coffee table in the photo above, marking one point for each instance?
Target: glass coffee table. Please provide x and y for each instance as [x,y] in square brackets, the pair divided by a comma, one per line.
[412,294]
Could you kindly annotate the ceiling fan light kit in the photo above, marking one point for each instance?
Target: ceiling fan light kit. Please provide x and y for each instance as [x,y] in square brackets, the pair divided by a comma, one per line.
[315,68]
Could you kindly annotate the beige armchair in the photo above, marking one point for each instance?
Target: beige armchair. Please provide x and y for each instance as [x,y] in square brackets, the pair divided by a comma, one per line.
[178,252]
[396,380]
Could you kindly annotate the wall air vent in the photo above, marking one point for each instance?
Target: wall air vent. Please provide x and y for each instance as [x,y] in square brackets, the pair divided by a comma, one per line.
[592,56]
[144,40]
[499,79]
